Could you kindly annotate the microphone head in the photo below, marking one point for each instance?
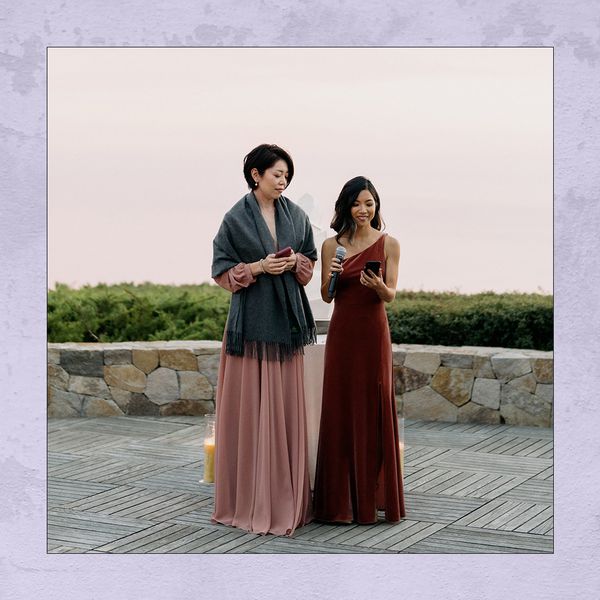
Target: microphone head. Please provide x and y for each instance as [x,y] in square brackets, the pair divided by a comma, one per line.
[340,253]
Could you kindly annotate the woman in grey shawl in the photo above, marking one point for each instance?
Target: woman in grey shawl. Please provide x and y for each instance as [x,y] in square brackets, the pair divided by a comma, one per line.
[261,468]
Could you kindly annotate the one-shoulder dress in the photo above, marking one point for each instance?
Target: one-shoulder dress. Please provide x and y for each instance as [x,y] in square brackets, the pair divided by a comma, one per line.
[358,460]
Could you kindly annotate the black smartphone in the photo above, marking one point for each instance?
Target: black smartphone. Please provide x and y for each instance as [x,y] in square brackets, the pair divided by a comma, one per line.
[373,266]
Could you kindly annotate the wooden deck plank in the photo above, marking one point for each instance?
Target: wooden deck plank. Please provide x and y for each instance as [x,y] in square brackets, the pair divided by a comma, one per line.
[140,538]
[534,490]
[292,546]
[453,537]
[493,463]
[385,536]
[532,523]
[416,537]
[545,527]
[201,544]
[526,516]
[441,509]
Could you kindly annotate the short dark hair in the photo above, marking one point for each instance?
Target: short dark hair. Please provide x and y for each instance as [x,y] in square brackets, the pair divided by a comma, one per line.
[342,221]
[263,157]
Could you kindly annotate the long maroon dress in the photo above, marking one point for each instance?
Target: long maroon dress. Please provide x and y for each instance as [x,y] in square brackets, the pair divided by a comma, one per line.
[358,461]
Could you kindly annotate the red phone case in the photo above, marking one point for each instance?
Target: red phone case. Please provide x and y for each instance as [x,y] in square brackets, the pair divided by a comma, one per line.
[284,252]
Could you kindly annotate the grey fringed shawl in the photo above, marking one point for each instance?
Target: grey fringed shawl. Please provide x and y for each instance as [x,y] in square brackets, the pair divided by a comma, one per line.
[271,318]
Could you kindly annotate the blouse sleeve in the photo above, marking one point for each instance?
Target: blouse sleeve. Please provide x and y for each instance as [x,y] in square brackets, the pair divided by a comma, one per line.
[236,278]
[304,269]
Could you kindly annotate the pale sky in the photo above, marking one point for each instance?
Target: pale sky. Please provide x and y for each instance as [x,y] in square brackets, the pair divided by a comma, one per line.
[146,146]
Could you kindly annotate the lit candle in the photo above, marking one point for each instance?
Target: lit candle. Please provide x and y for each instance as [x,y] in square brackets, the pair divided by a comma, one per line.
[209,460]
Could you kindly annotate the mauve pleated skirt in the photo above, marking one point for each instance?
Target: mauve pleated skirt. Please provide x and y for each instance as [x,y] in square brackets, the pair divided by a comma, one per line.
[261,465]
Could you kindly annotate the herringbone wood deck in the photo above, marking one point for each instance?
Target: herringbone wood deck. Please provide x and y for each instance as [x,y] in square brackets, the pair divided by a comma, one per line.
[131,485]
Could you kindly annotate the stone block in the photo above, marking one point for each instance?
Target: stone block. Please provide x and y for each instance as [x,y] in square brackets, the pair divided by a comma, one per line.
[208,365]
[145,360]
[208,347]
[62,403]
[508,366]
[82,362]
[407,380]
[519,407]
[429,405]
[486,392]
[122,398]
[456,360]
[61,411]
[162,386]
[188,407]
[513,415]
[57,377]
[482,367]
[194,386]
[525,382]
[100,407]
[117,357]
[543,369]
[426,362]
[89,386]
[53,356]
[453,384]
[178,359]
[545,391]
[474,413]
[140,406]
[126,377]
[398,357]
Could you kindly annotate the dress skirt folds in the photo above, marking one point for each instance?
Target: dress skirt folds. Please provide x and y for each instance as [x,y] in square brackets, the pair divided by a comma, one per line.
[358,461]
[261,457]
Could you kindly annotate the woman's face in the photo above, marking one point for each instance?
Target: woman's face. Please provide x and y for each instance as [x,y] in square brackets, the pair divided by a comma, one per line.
[273,181]
[362,210]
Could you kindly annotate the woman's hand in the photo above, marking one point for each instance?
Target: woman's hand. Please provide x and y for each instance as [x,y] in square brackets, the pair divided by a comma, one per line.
[335,266]
[373,281]
[290,263]
[275,266]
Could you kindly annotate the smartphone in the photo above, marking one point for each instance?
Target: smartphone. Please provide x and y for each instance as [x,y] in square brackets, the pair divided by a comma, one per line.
[373,266]
[284,252]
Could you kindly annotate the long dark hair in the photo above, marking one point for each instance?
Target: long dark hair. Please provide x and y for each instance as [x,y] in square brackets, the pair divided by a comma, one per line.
[342,221]
[263,157]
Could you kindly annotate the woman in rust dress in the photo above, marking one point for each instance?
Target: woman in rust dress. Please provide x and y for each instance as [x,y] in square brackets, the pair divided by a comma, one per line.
[261,467]
[358,461]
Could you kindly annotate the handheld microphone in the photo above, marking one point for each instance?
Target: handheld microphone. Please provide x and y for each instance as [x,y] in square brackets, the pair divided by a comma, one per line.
[340,254]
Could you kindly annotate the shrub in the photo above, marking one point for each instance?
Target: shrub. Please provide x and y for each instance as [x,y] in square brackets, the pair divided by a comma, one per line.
[128,312]
[486,319]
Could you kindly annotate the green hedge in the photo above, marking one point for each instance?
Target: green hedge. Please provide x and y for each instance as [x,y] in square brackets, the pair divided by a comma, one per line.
[129,312]
[487,319]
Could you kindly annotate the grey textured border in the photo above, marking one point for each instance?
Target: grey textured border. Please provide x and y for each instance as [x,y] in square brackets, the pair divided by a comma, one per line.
[27,28]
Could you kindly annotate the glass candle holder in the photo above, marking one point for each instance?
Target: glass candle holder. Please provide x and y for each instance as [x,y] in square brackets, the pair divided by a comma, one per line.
[209,454]
[401,443]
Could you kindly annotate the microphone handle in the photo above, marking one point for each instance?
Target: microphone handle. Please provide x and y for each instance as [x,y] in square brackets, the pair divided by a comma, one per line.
[332,284]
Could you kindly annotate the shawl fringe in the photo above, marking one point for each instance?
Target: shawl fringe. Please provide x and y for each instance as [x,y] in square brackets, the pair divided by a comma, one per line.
[271,351]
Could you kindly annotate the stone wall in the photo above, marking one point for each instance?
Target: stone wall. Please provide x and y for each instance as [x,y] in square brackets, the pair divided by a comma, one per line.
[479,385]
[134,378]
[475,384]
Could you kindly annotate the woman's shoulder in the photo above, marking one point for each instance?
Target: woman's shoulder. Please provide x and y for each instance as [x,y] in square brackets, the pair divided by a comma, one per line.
[329,246]
[391,244]
[330,242]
